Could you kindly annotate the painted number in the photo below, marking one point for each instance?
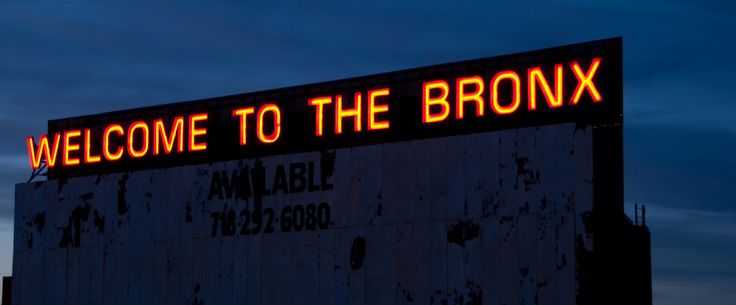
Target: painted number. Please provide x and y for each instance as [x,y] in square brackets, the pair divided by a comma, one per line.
[309,217]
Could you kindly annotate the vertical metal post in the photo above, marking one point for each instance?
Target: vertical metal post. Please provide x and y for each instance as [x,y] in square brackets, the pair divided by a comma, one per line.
[636,214]
[643,215]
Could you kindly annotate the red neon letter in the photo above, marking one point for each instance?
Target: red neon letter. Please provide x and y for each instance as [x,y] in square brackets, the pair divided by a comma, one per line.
[43,149]
[276,123]
[340,113]
[585,81]
[427,101]
[131,135]
[319,102]
[554,100]
[68,147]
[373,109]
[462,96]
[243,113]
[88,156]
[159,134]
[194,132]
[515,82]
[106,142]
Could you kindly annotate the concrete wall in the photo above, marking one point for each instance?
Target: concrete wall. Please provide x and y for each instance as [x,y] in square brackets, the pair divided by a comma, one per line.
[491,218]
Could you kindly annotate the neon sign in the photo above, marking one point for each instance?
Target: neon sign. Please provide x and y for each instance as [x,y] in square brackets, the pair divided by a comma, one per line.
[474,96]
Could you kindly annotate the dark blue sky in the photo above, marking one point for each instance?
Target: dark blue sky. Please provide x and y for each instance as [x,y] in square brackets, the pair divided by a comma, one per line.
[61,60]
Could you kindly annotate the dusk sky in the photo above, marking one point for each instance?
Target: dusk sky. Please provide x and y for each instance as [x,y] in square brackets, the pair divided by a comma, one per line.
[62,60]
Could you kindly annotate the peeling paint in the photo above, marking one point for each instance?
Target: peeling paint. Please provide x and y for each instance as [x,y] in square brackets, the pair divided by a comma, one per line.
[99,222]
[60,185]
[195,296]
[122,190]
[40,221]
[470,294]
[357,253]
[87,196]
[462,231]
[72,232]
[327,163]
[188,215]
[525,174]
[406,293]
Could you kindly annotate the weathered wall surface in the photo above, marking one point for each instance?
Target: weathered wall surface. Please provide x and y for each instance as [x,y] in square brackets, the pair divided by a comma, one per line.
[491,218]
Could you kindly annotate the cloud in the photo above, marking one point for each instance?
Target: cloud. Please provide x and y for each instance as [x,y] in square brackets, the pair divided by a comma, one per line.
[680,166]
[692,254]
[694,292]
[701,222]
[6,211]
[14,162]
[691,245]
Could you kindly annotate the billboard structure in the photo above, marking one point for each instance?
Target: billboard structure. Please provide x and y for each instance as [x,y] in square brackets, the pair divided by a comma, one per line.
[490,181]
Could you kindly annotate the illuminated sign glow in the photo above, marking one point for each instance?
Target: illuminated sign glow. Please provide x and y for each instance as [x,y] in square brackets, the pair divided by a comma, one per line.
[339,114]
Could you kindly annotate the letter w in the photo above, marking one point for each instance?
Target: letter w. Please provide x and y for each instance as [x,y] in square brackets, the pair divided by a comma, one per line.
[36,154]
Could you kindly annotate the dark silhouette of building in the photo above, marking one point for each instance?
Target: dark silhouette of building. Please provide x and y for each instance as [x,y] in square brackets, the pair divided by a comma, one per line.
[7,288]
